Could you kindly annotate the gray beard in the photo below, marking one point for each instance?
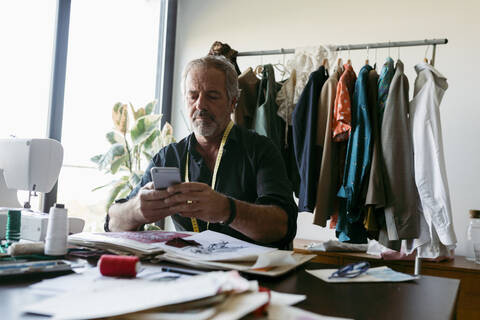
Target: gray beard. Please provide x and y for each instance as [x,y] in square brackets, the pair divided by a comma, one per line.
[204,130]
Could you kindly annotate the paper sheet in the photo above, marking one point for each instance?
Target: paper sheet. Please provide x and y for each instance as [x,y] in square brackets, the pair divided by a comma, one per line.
[145,242]
[378,274]
[286,299]
[244,266]
[123,296]
[218,247]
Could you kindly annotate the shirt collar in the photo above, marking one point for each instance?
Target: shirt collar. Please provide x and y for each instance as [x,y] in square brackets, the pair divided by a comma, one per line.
[426,66]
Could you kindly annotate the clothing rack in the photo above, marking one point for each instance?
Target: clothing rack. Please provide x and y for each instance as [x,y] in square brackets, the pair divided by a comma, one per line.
[363,46]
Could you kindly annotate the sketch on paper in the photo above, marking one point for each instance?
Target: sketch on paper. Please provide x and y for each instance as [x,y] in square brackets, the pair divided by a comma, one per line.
[215,248]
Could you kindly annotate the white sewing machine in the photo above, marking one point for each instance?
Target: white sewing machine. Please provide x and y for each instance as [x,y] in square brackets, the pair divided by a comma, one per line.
[32,165]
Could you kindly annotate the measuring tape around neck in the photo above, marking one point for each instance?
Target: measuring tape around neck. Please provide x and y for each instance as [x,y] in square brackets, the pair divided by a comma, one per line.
[215,169]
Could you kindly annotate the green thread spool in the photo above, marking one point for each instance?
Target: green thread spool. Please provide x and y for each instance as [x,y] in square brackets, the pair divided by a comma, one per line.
[14,219]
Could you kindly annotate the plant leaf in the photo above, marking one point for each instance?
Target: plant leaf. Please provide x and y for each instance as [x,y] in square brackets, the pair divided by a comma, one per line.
[135,178]
[106,185]
[120,117]
[147,145]
[96,158]
[137,114]
[116,150]
[147,155]
[118,162]
[125,191]
[144,127]
[149,107]
[118,186]
[113,137]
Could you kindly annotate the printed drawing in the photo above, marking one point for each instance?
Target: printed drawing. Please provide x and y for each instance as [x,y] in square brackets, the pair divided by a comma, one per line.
[153,236]
[214,248]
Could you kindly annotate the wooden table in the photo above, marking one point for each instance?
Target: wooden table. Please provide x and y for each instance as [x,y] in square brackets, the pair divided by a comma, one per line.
[426,298]
[468,272]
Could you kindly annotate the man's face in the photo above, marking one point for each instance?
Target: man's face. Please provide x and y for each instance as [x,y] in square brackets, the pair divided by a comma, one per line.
[207,101]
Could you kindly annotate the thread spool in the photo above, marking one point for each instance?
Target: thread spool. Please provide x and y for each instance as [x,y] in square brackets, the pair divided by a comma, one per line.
[14,218]
[19,249]
[118,266]
[57,231]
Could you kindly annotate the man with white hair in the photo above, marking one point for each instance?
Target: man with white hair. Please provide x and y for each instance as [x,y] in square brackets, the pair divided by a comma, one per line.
[234,180]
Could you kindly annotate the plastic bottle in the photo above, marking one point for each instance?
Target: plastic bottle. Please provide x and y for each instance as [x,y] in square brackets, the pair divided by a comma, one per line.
[473,236]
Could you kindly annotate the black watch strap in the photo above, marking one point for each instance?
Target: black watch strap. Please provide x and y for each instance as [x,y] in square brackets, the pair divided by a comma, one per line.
[233,211]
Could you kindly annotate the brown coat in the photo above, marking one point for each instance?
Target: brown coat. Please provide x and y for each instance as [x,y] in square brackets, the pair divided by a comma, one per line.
[247,103]
[401,214]
[326,199]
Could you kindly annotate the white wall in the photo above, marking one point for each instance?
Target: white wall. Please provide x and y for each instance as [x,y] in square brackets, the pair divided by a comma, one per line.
[272,24]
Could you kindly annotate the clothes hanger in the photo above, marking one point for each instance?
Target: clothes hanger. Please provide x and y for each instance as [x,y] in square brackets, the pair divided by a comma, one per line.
[282,69]
[368,56]
[349,62]
[258,71]
[425,56]
[375,64]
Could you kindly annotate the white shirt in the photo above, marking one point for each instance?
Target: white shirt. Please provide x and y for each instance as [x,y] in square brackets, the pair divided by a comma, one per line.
[437,236]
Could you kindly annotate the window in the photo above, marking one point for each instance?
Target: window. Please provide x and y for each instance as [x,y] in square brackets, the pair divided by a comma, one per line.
[112,57]
[26,30]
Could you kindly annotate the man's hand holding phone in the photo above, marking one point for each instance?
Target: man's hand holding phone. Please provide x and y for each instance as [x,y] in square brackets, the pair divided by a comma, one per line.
[150,204]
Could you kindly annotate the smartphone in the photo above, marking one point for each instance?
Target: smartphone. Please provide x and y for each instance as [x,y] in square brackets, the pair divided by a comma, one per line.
[163,177]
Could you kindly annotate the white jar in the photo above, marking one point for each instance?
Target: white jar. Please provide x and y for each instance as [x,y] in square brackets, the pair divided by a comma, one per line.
[473,236]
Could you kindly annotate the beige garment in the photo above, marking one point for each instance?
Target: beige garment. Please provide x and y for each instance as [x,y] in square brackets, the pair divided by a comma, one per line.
[245,111]
[401,210]
[305,61]
[326,191]
[285,98]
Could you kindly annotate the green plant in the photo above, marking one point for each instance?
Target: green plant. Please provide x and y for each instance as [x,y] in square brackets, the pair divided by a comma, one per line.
[131,144]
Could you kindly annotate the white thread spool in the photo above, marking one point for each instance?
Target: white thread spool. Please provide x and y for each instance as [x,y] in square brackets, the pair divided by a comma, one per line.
[57,231]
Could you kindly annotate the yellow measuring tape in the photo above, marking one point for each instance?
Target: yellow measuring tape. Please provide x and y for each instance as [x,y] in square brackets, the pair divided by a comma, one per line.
[215,170]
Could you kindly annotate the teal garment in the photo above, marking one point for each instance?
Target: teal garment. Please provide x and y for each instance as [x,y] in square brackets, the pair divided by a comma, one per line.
[267,122]
[386,76]
[357,166]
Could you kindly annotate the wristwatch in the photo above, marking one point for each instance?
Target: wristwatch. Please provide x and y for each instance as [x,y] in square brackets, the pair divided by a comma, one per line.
[233,212]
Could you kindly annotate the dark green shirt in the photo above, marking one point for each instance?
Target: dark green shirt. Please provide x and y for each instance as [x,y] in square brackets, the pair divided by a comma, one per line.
[251,170]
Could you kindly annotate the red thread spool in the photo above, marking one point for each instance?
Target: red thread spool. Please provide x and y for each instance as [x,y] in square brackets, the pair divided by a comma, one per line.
[118,266]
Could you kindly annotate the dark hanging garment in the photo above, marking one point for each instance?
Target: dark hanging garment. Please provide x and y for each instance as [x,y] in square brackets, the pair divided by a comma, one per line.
[288,154]
[267,122]
[223,49]
[304,127]
[357,166]
[375,197]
